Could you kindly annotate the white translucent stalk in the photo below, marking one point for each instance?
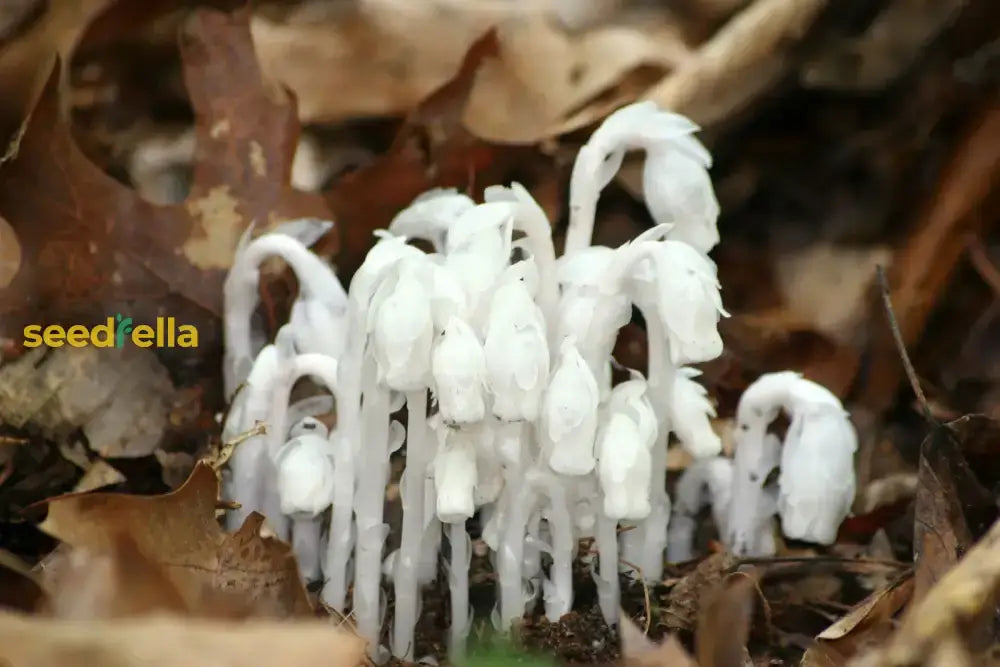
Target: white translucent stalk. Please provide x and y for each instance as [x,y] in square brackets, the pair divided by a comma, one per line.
[608,593]
[306,543]
[370,502]
[592,171]
[521,502]
[406,572]
[431,542]
[754,455]
[559,597]
[458,588]
[646,545]
[347,437]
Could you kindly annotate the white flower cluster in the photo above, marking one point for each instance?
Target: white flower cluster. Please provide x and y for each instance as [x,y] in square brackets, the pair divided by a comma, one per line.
[813,491]
[502,353]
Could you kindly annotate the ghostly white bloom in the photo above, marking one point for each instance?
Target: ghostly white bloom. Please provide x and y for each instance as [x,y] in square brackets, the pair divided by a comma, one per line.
[455,474]
[431,215]
[676,185]
[817,482]
[569,413]
[402,327]
[383,255]
[690,411]
[459,369]
[624,449]
[517,354]
[624,469]
[305,470]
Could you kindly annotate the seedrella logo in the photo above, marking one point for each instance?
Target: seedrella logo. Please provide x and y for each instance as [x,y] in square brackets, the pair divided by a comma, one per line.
[115,332]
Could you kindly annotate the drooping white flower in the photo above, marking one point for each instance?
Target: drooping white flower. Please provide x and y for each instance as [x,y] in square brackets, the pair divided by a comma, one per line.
[817,483]
[690,411]
[569,413]
[676,185]
[458,365]
[431,215]
[455,474]
[305,470]
[624,469]
[400,320]
[517,354]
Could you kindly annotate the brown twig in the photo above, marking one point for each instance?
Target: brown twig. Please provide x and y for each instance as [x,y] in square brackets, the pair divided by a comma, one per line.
[897,335]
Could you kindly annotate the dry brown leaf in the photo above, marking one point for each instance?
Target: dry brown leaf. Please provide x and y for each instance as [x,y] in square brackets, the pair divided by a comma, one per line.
[390,54]
[724,622]
[864,626]
[93,241]
[950,502]
[168,642]
[120,400]
[684,599]
[638,650]
[958,602]
[179,532]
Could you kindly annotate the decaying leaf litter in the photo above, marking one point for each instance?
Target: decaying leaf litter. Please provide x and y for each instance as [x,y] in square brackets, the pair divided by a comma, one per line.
[845,137]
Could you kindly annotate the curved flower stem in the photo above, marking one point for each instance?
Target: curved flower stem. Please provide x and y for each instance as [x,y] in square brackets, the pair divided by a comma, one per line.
[608,594]
[458,585]
[408,562]
[370,500]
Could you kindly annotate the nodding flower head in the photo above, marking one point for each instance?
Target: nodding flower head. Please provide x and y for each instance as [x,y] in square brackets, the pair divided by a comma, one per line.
[458,365]
[569,413]
[305,471]
[402,327]
[517,353]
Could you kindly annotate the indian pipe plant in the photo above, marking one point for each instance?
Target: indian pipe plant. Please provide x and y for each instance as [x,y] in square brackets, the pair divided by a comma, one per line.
[501,353]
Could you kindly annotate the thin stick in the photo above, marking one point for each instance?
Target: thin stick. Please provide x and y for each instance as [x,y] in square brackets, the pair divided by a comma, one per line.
[645,593]
[911,374]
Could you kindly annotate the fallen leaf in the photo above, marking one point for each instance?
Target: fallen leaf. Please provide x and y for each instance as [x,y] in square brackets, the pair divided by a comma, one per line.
[167,642]
[388,55]
[952,610]
[92,241]
[724,622]
[948,493]
[179,532]
[120,398]
[867,624]
[638,650]
[685,598]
